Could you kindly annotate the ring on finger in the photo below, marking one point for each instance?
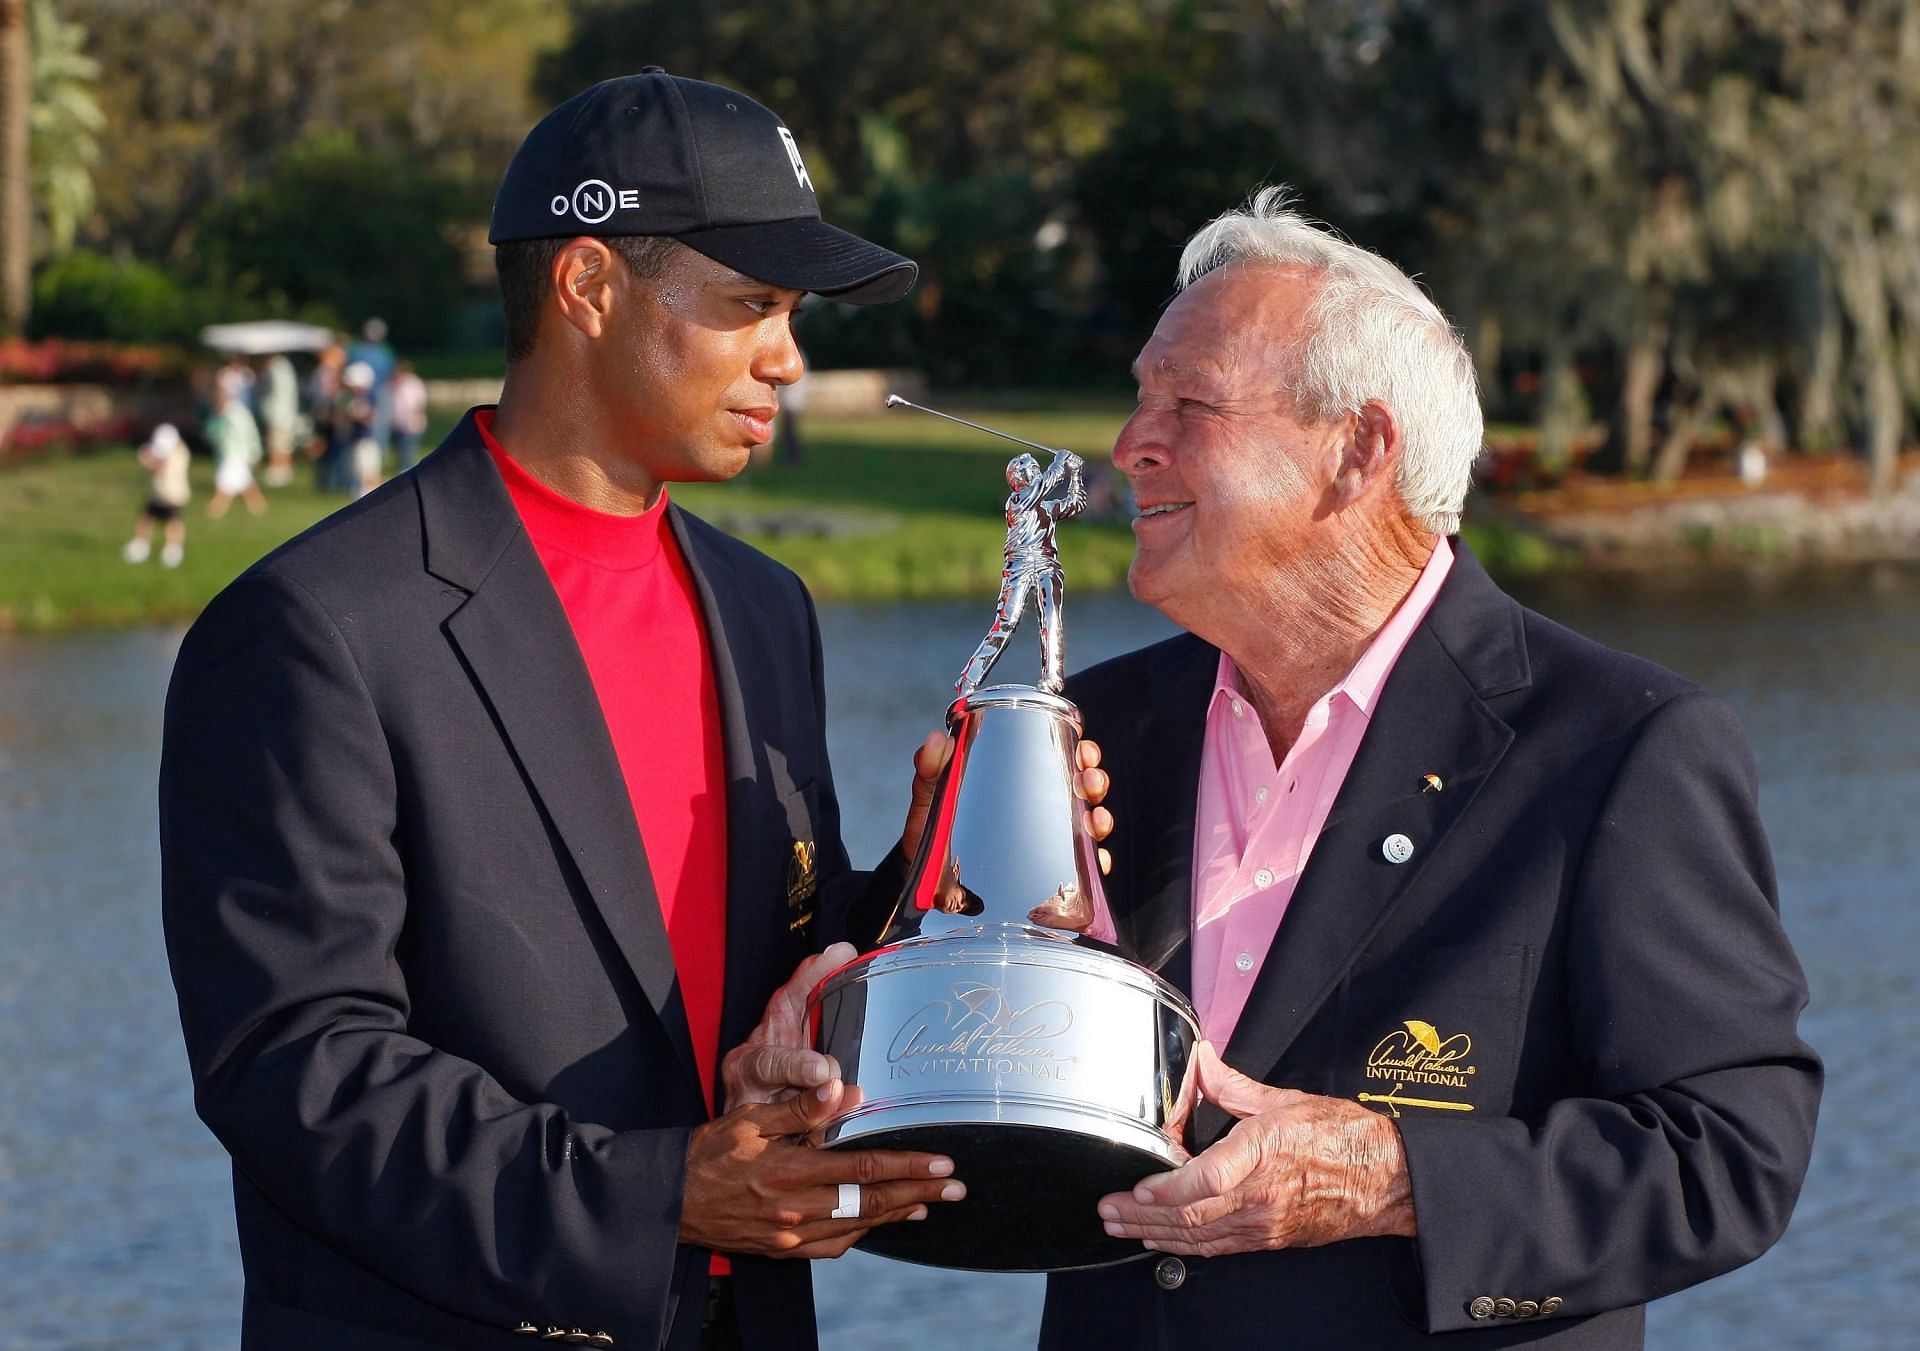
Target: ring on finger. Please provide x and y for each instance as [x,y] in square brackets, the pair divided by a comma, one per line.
[849,1207]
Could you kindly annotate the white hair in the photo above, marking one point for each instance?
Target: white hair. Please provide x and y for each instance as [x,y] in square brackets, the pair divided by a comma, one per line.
[1375,336]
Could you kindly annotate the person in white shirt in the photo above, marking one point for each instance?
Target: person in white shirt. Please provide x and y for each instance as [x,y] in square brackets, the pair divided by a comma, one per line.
[165,457]
[236,449]
[278,395]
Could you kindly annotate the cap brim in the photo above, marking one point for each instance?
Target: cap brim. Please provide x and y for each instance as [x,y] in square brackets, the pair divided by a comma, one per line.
[807,254]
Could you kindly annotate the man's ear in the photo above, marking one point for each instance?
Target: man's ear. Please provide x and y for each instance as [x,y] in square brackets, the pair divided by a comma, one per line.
[1370,454]
[583,273]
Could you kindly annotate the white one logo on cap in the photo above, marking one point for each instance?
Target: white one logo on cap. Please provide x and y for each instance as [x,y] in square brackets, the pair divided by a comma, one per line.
[594,200]
[793,153]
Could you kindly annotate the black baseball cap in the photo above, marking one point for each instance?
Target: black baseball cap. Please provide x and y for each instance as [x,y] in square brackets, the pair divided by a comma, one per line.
[658,154]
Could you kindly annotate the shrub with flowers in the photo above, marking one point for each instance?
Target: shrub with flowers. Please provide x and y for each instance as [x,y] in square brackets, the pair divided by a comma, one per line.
[55,361]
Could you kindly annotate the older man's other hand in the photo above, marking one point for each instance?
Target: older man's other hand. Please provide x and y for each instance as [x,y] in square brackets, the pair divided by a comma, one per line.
[1299,1170]
[776,1061]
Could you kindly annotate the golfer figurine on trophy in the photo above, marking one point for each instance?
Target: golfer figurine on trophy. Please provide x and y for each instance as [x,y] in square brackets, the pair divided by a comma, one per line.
[1033,564]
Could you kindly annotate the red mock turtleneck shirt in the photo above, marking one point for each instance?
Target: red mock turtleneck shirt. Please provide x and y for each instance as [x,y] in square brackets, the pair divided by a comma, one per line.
[631,600]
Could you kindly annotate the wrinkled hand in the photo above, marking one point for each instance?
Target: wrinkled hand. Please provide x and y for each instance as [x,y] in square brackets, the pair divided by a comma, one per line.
[937,749]
[753,1187]
[1297,1171]
[776,1060]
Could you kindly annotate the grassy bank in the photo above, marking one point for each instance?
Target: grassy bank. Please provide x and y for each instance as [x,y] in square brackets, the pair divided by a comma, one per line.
[882,508]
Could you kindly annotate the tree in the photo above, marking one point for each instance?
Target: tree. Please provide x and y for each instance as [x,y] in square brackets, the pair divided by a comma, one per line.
[1713,198]
[16,203]
[66,122]
[442,83]
[358,231]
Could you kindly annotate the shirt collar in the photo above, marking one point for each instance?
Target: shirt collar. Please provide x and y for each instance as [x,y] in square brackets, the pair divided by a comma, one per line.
[559,524]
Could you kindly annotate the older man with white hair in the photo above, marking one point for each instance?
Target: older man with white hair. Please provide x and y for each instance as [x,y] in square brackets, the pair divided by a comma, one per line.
[1479,913]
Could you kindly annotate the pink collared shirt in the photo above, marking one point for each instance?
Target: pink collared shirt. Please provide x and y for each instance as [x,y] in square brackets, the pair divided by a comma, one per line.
[1255,824]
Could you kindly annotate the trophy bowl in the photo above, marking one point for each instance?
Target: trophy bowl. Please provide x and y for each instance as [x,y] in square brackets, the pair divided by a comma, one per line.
[997,1023]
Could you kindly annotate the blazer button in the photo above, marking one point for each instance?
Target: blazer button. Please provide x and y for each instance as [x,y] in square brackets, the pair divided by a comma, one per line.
[1170,1273]
[1482,1307]
[1526,1308]
[602,1339]
[1503,1308]
[1551,1304]
[528,1329]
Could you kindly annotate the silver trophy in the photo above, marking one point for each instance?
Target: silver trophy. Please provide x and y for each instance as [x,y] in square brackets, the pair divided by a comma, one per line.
[997,1022]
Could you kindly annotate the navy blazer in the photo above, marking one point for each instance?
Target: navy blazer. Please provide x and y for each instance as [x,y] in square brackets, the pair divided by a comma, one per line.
[428,999]
[1575,996]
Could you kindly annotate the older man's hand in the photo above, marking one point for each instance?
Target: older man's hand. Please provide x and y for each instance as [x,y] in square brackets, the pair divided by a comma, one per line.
[1299,1170]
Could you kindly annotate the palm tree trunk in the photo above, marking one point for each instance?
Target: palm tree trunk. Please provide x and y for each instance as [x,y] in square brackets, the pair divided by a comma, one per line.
[16,201]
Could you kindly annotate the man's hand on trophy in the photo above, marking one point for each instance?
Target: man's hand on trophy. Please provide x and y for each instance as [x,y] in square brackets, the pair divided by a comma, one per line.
[776,1060]
[752,1187]
[1091,784]
[928,761]
[1299,1170]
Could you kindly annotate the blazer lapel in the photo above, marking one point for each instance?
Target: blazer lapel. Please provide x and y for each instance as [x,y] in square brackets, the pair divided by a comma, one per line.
[1431,718]
[1156,929]
[516,641]
[758,780]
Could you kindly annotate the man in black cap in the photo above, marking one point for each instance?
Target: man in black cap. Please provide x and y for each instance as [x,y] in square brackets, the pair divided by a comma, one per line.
[497,805]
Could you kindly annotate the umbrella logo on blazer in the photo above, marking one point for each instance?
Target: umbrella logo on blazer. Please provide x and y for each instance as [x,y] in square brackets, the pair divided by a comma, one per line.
[1418,1055]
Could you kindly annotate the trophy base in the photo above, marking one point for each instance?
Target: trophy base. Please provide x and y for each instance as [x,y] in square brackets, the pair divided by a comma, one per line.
[1052,1074]
[1031,1197]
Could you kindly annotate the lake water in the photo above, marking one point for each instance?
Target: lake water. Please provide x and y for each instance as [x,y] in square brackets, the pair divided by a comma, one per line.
[115,1221]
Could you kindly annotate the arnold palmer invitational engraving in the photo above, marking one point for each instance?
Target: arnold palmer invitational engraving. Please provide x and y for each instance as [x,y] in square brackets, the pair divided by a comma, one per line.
[978,1031]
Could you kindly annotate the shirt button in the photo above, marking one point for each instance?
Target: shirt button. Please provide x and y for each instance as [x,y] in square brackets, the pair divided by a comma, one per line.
[1396,849]
[1170,1273]
[1260,795]
[1238,709]
[1244,961]
[1263,878]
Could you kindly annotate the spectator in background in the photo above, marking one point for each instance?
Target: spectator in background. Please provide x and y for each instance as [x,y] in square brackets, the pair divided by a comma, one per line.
[278,397]
[374,352]
[235,379]
[165,457]
[236,450]
[361,415]
[329,444]
[409,414]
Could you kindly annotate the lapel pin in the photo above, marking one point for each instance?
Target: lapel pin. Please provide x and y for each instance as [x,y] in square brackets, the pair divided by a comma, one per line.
[1432,782]
[1396,849]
